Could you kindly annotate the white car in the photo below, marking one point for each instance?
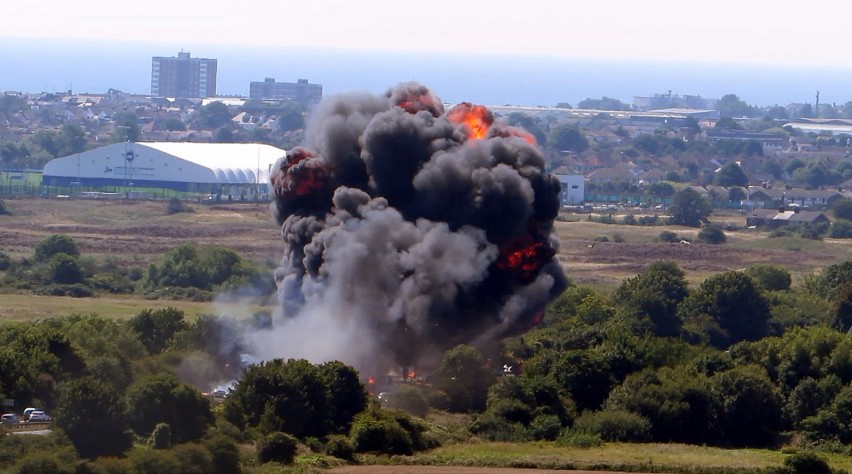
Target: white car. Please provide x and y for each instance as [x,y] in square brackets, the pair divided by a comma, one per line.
[39,416]
[9,419]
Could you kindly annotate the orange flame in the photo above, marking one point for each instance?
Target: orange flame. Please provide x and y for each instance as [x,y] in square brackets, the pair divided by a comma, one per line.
[411,374]
[524,256]
[300,174]
[517,132]
[477,118]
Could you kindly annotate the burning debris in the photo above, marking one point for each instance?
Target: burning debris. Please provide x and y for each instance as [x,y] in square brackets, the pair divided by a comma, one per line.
[408,231]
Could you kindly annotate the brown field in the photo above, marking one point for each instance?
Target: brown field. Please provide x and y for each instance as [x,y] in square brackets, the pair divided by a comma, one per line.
[137,232]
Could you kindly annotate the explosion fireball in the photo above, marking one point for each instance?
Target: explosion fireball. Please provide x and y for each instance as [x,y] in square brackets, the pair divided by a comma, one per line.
[408,231]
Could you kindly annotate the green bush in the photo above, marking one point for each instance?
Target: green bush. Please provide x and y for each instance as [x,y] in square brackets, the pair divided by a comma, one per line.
[75,291]
[410,399]
[279,447]
[194,457]
[711,234]
[493,427]
[39,463]
[380,436]
[576,439]
[224,453]
[769,276]
[668,237]
[840,229]
[56,244]
[4,210]
[153,461]
[614,425]
[340,447]
[161,437]
[805,463]
[545,427]
[5,261]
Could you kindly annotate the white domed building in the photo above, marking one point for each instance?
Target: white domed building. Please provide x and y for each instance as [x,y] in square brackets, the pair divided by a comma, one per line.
[221,168]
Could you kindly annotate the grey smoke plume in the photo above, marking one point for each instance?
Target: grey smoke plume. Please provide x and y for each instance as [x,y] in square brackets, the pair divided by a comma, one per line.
[408,231]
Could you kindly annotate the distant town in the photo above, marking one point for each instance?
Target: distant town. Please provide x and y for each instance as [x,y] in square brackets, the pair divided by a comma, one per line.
[603,149]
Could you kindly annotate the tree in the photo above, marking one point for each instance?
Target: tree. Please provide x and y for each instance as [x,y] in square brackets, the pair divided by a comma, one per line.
[747,406]
[126,127]
[156,328]
[64,269]
[770,276]
[295,397]
[828,282]
[604,103]
[732,304]
[567,138]
[174,125]
[91,414]
[463,377]
[731,106]
[163,399]
[653,296]
[689,208]
[730,174]
[212,116]
[842,208]
[585,376]
[55,244]
[346,394]
[291,118]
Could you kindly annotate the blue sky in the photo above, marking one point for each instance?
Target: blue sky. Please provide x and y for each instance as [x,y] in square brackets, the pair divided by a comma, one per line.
[730,31]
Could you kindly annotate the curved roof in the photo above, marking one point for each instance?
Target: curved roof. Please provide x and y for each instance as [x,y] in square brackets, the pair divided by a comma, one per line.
[234,163]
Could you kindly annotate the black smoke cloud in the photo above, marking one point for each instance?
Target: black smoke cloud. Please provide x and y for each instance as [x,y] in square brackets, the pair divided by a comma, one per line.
[404,237]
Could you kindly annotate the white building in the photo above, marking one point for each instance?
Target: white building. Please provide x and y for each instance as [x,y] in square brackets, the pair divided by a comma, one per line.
[573,188]
[226,168]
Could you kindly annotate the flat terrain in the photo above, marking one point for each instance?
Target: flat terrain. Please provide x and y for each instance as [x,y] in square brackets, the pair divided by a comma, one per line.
[138,232]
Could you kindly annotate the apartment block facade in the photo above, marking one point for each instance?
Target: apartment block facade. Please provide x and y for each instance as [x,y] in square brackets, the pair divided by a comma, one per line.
[183,77]
[301,91]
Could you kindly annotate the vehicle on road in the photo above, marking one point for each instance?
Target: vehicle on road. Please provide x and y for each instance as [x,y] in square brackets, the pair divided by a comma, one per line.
[28,412]
[9,419]
[39,415]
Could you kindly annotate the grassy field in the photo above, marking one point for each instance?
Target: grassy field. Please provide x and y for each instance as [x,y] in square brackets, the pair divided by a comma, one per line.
[25,307]
[648,457]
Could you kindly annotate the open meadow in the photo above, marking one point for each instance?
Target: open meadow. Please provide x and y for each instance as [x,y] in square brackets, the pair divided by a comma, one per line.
[138,232]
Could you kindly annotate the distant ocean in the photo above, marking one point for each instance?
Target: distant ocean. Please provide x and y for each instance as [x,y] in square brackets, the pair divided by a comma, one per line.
[52,66]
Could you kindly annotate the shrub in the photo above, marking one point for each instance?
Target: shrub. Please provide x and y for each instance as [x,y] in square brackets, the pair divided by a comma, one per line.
[75,291]
[224,453]
[153,461]
[840,229]
[614,425]
[380,436]
[55,244]
[711,234]
[494,427]
[177,206]
[668,237]
[193,458]
[5,261]
[806,463]
[410,399]
[340,447]
[617,238]
[648,220]
[4,210]
[629,219]
[278,447]
[769,276]
[545,427]
[576,439]
[161,437]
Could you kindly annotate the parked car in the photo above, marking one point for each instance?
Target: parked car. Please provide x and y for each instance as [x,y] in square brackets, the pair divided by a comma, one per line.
[28,412]
[9,419]
[39,415]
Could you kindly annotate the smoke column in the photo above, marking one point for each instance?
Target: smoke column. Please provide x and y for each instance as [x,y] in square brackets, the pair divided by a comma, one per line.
[408,231]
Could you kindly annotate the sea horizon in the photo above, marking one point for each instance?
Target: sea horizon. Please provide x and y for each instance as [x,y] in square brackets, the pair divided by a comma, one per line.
[33,66]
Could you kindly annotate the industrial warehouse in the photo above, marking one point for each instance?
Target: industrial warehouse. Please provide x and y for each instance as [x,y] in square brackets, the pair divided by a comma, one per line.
[231,169]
